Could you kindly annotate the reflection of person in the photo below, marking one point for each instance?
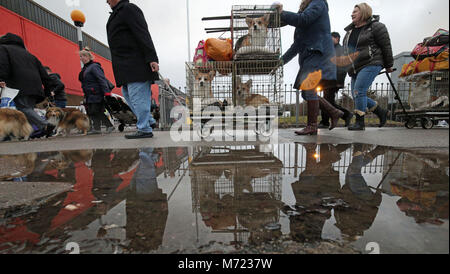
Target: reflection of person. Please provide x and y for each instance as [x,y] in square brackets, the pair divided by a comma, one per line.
[363,202]
[370,38]
[146,206]
[313,44]
[330,93]
[95,86]
[318,181]
[21,70]
[134,60]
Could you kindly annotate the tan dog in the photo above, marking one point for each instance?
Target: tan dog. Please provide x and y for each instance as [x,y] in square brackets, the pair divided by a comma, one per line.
[14,124]
[16,166]
[257,32]
[246,98]
[67,119]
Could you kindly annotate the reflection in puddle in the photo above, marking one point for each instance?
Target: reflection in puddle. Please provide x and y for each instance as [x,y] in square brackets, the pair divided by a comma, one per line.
[230,199]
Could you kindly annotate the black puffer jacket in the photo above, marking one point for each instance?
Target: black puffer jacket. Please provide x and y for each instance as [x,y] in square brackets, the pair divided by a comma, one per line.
[374,45]
[21,70]
[131,45]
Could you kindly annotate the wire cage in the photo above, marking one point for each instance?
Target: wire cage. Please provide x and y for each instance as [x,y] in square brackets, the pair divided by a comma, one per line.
[429,90]
[236,189]
[256,32]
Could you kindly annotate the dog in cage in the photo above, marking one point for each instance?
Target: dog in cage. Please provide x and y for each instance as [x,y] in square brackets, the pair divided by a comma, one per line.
[244,97]
[257,33]
[203,88]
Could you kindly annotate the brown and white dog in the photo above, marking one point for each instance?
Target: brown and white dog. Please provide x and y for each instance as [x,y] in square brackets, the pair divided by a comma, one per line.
[257,32]
[203,88]
[245,98]
[67,119]
[14,124]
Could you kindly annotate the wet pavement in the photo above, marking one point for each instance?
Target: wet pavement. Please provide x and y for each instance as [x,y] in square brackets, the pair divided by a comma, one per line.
[288,198]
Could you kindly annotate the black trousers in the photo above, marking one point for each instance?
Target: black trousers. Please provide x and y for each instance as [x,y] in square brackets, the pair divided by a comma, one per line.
[96,112]
[330,95]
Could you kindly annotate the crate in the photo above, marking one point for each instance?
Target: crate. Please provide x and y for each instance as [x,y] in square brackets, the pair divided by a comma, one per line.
[256,32]
[429,90]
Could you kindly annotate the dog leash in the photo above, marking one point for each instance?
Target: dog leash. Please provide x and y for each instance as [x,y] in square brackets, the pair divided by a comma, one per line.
[170,89]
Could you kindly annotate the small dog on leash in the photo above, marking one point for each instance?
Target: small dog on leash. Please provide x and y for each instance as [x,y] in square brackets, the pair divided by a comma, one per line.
[257,32]
[14,125]
[67,119]
[244,97]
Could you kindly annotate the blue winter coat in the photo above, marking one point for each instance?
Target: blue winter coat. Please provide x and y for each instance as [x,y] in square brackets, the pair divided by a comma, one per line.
[93,82]
[312,41]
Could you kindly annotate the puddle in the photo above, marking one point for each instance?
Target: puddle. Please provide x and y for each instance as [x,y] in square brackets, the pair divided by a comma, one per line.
[287,198]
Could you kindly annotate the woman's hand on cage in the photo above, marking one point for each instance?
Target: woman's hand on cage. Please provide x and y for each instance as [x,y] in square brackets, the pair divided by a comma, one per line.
[277,5]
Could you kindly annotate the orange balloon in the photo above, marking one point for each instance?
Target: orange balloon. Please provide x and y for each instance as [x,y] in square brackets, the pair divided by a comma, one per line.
[78,16]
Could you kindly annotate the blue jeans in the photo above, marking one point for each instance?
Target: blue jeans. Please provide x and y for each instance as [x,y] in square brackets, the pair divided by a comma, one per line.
[60,104]
[139,97]
[360,85]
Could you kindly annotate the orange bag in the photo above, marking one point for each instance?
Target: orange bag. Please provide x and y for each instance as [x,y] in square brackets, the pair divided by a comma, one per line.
[439,62]
[219,49]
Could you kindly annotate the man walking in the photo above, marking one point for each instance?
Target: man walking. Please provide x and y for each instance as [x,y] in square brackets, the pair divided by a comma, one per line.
[330,93]
[134,61]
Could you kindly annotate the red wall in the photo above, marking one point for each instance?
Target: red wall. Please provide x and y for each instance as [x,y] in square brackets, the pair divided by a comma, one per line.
[60,54]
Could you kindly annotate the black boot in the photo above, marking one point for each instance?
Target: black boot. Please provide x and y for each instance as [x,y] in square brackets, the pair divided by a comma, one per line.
[348,116]
[323,124]
[359,124]
[382,115]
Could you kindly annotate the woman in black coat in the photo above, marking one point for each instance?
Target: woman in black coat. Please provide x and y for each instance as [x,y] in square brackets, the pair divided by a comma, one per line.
[95,86]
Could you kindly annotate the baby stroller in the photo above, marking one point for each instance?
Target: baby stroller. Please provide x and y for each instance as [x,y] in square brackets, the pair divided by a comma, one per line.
[119,109]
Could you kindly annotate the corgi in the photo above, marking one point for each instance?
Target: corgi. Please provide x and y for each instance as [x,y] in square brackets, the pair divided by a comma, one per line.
[245,98]
[257,33]
[203,88]
[14,125]
[67,119]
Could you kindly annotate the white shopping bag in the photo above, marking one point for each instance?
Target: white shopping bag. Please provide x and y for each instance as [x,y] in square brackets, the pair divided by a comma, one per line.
[7,97]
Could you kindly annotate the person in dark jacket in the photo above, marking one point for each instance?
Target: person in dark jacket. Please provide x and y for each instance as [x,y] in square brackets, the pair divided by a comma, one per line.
[95,86]
[134,60]
[370,38]
[58,95]
[330,94]
[313,44]
[21,70]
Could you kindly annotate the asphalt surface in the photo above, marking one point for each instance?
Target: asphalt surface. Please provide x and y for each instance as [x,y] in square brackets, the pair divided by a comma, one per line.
[392,137]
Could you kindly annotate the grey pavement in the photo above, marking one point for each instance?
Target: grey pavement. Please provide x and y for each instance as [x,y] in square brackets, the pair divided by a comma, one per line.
[393,137]
[14,194]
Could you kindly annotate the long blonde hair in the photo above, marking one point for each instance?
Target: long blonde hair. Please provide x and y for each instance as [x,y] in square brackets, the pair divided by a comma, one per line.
[366,11]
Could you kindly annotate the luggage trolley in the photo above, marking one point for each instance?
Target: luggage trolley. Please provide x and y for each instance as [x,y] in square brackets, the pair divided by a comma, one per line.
[428,100]
[257,67]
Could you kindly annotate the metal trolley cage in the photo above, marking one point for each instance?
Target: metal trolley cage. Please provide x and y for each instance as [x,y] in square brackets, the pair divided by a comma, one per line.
[432,87]
[253,78]
[236,189]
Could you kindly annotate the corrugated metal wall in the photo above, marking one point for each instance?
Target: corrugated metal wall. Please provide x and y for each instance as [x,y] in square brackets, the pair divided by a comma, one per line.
[49,20]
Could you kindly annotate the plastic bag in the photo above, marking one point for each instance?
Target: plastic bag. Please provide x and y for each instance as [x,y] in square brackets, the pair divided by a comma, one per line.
[219,49]
[7,97]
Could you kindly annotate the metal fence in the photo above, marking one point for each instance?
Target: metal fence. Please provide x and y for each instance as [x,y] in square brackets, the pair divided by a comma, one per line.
[45,18]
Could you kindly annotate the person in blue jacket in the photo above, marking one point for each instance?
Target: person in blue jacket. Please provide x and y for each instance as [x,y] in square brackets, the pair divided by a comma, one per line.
[314,46]
[95,86]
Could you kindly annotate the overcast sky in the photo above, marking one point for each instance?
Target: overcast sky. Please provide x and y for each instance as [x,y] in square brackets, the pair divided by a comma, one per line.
[408,21]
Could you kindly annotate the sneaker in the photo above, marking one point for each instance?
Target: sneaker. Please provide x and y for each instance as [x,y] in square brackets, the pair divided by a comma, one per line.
[139,135]
[110,130]
[94,132]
